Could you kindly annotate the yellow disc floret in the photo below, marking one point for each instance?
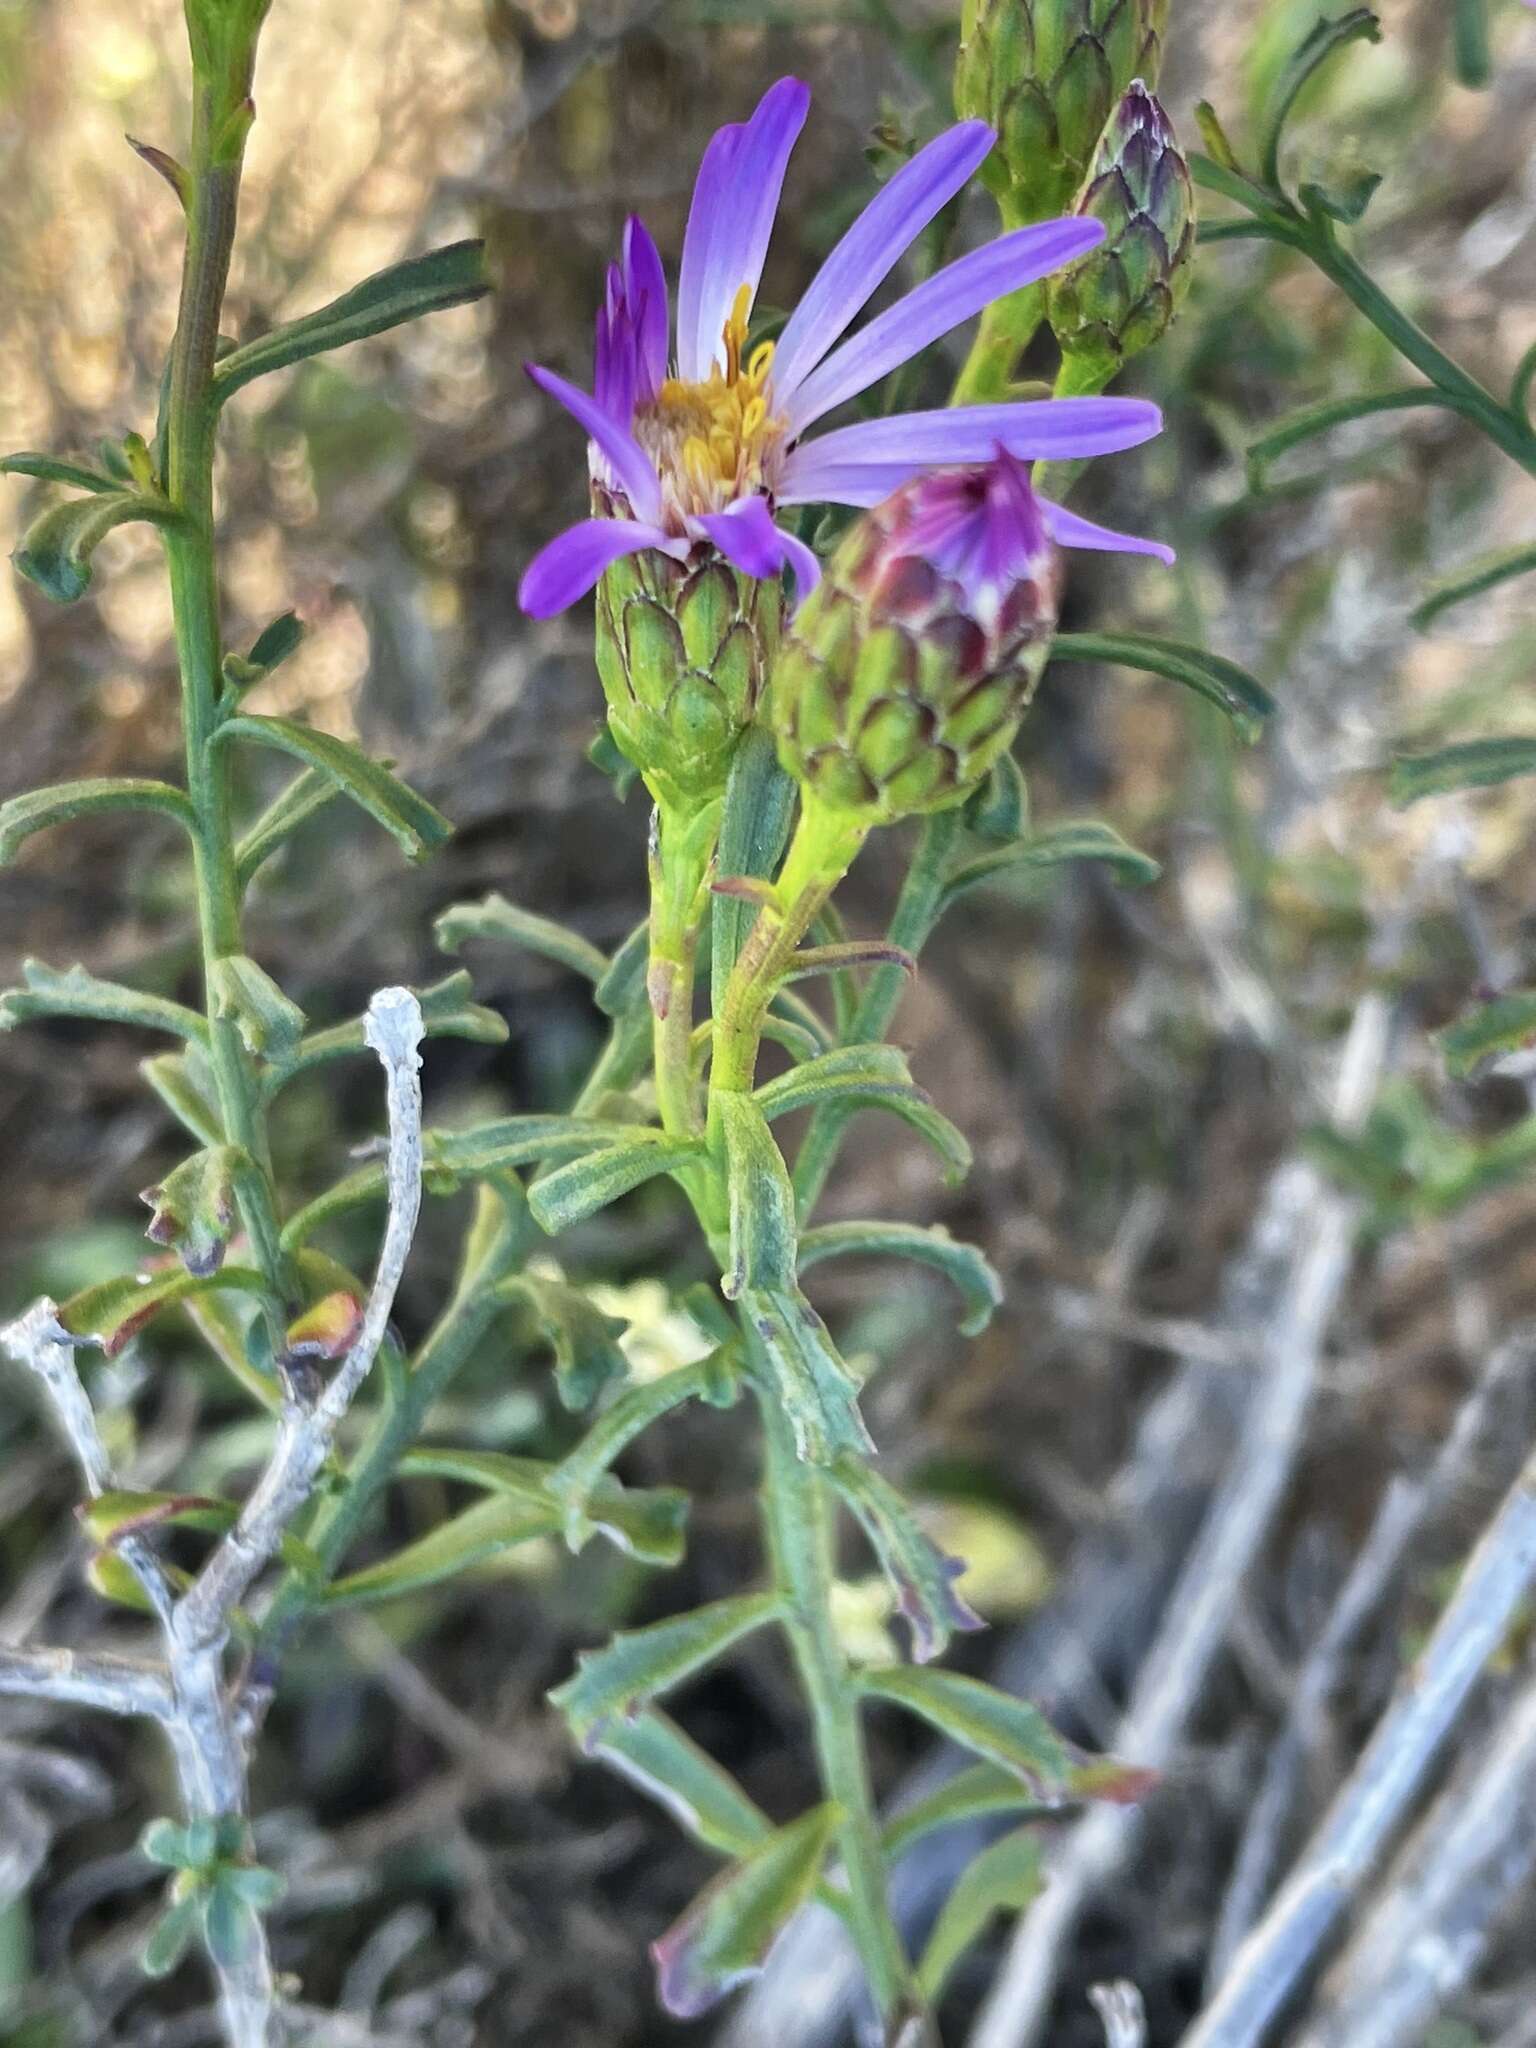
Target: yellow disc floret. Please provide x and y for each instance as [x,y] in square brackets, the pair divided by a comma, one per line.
[711,439]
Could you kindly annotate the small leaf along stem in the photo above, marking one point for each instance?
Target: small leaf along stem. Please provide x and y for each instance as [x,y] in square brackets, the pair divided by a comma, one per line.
[213,174]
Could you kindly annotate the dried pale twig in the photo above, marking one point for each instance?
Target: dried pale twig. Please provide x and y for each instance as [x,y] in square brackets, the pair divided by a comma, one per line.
[1200,1613]
[206,1720]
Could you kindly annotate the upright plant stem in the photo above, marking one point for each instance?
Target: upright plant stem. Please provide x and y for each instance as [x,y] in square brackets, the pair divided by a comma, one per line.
[798,1524]
[191,420]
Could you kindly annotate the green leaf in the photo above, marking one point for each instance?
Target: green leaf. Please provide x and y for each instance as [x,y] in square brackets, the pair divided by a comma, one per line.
[1469,581]
[75,993]
[1313,420]
[184,1083]
[1345,199]
[1005,1878]
[194,1206]
[975,1793]
[575,1480]
[761,1200]
[572,1193]
[868,1077]
[405,291]
[1231,182]
[310,791]
[725,1935]
[231,1928]
[21,816]
[475,1537]
[818,1389]
[51,470]
[622,988]
[754,829]
[117,1310]
[920,1574]
[1507,1024]
[272,647]
[645,1522]
[615,1682]
[1317,47]
[270,1026]
[171,1936]
[999,810]
[165,1842]
[496,918]
[1211,676]
[656,1757]
[1470,764]
[585,1340]
[1053,847]
[56,550]
[965,1265]
[409,818]
[446,1012]
[1006,1731]
[110,1517]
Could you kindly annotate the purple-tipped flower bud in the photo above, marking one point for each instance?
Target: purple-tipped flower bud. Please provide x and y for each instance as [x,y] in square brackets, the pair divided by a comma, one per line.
[1121,296]
[1046,74]
[905,675]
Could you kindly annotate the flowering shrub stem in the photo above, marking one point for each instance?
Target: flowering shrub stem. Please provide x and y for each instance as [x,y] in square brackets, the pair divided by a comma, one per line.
[1004,331]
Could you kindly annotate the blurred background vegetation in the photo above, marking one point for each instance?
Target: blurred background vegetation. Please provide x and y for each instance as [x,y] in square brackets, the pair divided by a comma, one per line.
[1130,1066]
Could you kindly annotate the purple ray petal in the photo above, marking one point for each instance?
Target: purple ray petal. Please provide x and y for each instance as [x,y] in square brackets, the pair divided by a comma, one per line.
[1036,429]
[936,306]
[871,248]
[568,566]
[735,197]
[631,466]
[645,287]
[1071,530]
[746,535]
[615,362]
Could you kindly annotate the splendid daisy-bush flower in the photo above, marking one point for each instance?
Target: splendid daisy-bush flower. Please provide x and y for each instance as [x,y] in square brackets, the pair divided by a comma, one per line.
[693,456]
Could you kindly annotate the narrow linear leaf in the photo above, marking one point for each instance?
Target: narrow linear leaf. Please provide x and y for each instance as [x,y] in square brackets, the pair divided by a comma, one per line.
[1006,1877]
[622,989]
[1314,420]
[585,1341]
[466,1541]
[450,276]
[725,1935]
[75,993]
[1470,764]
[575,1480]
[1322,43]
[868,1077]
[496,918]
[446,1012]
[819,1391]
[49,469]
[513,1141]
[1211,676]
[110,1518]
[1053,847]
[56,550]
[194,1206]
[310,791]
[761,1200]
[993,1724]
[754,829]
[657,1758]
[1469,581]
[572,1193]
[964,1265]
[271,648]
[21,816]
[615,1682]
[171,1936]
[269,1024]
[646,1523]
[414,824]
[920,1574]
[975,1793]
[1507,1024]
[185,1085]
[117,1310]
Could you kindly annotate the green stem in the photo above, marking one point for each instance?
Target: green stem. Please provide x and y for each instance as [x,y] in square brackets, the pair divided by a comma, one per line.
[1006,329]
[1503,426]
[680,856]
[191,421]
[798,1523]
[917,912]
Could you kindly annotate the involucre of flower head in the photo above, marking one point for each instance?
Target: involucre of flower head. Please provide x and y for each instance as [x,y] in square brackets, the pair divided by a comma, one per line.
[1121,296]
[1046,75]
[906,674]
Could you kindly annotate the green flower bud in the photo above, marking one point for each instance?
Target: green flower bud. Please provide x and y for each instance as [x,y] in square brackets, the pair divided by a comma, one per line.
[1046,74]
[682,651]
[1121,296]
[904,676]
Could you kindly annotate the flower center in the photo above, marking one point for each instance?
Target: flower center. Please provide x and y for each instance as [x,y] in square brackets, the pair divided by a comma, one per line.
[712,439]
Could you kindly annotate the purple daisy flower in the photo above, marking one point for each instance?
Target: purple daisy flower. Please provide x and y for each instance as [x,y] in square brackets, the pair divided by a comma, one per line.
[703,454]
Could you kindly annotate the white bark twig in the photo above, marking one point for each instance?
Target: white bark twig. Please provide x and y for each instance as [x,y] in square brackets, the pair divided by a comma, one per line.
[1423,1940]
[1346,1848]
[1199,1614]
[77,1678]
[203,1716]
